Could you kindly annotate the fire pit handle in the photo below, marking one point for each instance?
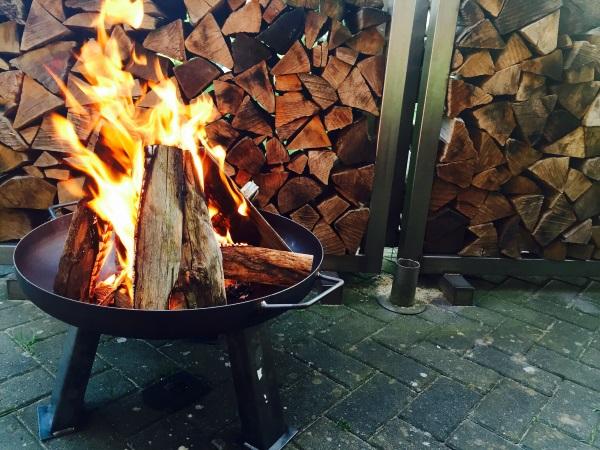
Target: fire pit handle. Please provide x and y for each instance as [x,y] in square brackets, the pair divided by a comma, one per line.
[54,208]
[337,283]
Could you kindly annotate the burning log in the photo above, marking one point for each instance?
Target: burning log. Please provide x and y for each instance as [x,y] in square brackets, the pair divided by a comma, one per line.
[159,231]
[201,279]
[76,266]
[248,264]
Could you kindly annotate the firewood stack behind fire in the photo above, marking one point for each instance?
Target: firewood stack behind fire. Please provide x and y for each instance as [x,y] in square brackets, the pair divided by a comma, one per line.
[518,171]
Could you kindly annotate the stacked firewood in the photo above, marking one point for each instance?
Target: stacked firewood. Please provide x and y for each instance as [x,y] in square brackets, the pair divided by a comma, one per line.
[518,168]
[296,88]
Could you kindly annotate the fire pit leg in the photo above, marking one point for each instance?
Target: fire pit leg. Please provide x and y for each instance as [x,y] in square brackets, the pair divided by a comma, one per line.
[259,405]
[64,412]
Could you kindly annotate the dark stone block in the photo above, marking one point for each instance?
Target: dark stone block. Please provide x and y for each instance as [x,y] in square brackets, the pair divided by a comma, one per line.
[404,369]
[441,408]
[371,405]
[509,409]
[471,436]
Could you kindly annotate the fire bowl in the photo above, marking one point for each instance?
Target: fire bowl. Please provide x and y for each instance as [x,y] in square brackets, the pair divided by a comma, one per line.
[36,261]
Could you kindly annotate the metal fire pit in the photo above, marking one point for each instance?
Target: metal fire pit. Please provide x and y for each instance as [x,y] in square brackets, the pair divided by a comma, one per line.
[36,260]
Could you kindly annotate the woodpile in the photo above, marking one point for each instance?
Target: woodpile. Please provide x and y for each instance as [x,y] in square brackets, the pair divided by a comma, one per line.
[518,169]
[296,86]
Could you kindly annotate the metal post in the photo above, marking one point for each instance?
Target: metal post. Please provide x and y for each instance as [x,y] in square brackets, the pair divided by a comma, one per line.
[259,405]
[405,128]
[64,412]
[432,95]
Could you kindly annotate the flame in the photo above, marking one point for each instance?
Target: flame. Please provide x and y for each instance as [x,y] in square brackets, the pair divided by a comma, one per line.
[127,129]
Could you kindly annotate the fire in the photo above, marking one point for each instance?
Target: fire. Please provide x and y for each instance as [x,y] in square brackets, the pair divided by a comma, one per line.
[127,129]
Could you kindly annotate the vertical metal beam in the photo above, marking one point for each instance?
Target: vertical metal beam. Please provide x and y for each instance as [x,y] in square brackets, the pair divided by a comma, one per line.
[259,405]
[65,410]
[434,81]
[405,131]
[399,44]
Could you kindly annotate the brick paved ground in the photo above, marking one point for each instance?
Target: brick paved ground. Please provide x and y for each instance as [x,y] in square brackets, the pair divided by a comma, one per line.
[520,371]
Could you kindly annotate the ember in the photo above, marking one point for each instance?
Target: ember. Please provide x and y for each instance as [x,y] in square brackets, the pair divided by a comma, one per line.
[148,235]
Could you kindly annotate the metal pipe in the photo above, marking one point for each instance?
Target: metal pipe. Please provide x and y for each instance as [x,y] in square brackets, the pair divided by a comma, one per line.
[404,286]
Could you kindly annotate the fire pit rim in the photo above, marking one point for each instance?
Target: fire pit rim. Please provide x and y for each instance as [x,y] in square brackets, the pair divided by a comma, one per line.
[317,262]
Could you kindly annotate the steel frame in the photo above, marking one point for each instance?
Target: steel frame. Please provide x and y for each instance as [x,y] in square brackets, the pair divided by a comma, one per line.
[397,105]
[430,110]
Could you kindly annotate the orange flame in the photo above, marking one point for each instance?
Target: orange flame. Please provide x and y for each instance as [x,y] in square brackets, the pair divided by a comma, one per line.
[127,129]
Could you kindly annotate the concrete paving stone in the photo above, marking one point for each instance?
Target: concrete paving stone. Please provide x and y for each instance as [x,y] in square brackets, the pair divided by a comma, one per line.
[472,436]
[218,408]
[595,342]
[441,407]
[288,369]
[494,279]
[575,281]
[131,414]
[592,292]
[14,360]
[481,315]
[335,364]
[444,316]
[308,399]
[515,367]
[513,336]
[3,294]
[170,434]
[509,409]
[5,304]
[450,364]
[296,326]
[515,290]
[192,426]
[106,387]
[13,289]
[537,280]
[6,269]
[591,357]
[497,303]
[49,351]
[353,328]
[333,313]
[211,362]
[140,362]
[458,337]
[401,335]
[371,405]
[13,435]
[398,434]
[574,410]
[38,329]
[23,389]
[564,313]
[21,313]
[542,437]
[398,366]
[325,434]
[583,305]
[566,339]
[565,367]
[557,292]
[368,305]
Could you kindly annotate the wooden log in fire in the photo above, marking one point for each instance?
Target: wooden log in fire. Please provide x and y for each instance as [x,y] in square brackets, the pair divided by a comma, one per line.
[159,231]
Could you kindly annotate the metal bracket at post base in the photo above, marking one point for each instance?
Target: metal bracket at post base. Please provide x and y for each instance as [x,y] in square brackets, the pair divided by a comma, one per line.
[45,415]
